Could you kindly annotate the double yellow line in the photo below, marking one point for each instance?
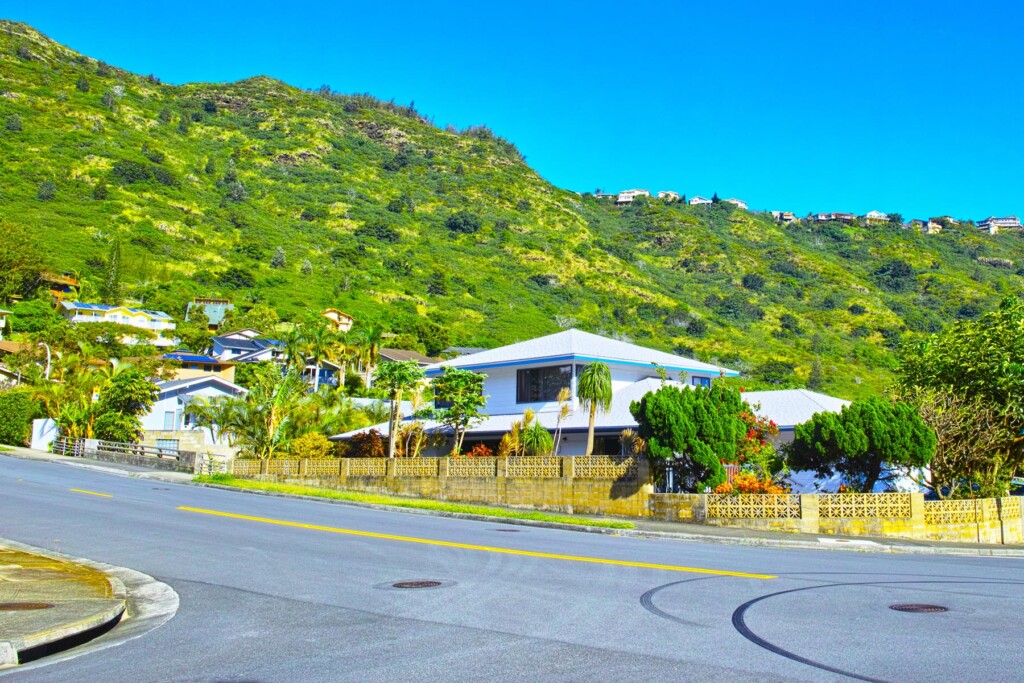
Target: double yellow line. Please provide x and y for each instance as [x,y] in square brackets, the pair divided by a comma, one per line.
[470,546]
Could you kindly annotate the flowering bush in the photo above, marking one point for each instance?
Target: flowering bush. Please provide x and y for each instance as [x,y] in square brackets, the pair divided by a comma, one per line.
[748,482]
[480,450]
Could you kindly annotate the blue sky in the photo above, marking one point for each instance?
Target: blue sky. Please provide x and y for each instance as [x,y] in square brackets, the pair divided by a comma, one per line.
[914,106]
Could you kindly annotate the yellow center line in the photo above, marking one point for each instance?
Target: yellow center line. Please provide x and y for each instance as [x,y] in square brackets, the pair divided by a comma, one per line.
[469,546]
[92,493]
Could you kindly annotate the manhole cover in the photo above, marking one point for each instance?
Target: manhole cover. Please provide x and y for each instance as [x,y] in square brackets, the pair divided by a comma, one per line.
[913,607]
[23,606]
[416,584]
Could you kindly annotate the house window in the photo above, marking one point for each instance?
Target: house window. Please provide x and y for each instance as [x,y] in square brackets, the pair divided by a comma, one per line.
[169,421]
[536,385]
[701,382]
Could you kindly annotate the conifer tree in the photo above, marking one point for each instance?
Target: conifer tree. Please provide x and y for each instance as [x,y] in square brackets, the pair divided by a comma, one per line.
[110,288]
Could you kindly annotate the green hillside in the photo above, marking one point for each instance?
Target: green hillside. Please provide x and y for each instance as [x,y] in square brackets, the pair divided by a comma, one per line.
[446,235]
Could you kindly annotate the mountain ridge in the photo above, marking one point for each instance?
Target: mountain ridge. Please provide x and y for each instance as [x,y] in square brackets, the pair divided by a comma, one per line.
[446,235]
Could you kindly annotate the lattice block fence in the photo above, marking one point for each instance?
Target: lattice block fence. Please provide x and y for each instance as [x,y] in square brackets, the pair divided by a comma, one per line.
[245,468]
[472,467]
[416,467]
[605,467]
[768,506]
[322,467]
[539,467]
[869,506]
[367,467]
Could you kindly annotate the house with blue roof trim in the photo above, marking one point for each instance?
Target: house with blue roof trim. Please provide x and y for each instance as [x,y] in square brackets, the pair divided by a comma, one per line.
[157,322]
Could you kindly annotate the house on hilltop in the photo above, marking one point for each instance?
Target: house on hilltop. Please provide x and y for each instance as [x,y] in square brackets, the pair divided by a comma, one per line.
[627,196]
[61,287]
[668,196]
[192,365]
[876,218]
[738,203]
[214,309]
[77,312]
[341,322]
[698,200]
[784,217]
[993,225]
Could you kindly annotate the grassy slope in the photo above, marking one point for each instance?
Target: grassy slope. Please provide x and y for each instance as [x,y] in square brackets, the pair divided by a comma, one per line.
[646,271]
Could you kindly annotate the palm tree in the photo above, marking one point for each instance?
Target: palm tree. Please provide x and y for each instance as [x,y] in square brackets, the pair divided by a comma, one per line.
[317,340]
[594,390]
[371,338]
[343,351]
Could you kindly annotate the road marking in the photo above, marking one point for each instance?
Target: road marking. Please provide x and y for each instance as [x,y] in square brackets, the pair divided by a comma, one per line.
[469,546]
[91,493]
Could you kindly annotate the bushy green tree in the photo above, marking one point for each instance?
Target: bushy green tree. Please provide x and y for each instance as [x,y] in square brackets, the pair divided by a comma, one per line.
[123,400]
[18,408]
[463,393]
[862,440]
[34,316]
[694,429]
[463,222]
[20,261]
[13,123]
[978,361]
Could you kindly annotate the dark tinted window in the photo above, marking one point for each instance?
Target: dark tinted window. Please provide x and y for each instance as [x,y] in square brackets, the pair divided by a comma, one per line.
[535,385]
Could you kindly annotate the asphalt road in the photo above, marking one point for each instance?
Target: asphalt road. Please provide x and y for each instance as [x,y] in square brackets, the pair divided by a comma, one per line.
[304,593]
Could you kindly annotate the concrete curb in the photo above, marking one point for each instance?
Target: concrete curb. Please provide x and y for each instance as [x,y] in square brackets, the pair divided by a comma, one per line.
[751,541]
[150,604]
[12,650]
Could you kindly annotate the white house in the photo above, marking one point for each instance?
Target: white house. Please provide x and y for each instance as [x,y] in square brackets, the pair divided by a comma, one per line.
[993,225]
[627,196]
[739,203]
[171,426]
[668,196]
[790,407]
[530,375]
[3,322]
[876,218]
[783,216]
[154,321]
[697,200]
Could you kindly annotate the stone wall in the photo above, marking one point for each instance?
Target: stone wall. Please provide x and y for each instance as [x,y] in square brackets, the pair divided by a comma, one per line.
[896,515]
[598,485]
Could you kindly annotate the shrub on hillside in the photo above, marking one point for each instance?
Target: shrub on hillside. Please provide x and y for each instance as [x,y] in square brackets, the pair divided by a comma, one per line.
[47,190]
[463,222]
[18,409]
[378,230]
[126,172]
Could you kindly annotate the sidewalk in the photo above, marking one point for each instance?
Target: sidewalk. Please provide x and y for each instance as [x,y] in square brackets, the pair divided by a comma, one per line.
[98,465]
[47,602]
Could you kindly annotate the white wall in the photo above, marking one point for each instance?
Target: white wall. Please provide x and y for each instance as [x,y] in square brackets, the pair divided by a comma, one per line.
[500,387]
[44,431]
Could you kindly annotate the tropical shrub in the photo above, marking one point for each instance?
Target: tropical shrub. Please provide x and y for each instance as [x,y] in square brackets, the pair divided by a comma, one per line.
[368,444]
[312,445]
[17,410]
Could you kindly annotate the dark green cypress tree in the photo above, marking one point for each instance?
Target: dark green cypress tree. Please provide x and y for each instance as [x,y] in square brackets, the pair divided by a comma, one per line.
[110,288]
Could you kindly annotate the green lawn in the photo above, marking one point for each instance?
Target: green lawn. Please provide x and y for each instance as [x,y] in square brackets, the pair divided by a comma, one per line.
[415,503]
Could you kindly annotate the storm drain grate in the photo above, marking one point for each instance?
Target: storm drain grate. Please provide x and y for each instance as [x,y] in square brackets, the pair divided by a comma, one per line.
[918,608]
[23,606]
[416,584]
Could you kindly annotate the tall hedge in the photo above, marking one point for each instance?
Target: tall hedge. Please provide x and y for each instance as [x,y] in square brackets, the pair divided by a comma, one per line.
[17,410]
